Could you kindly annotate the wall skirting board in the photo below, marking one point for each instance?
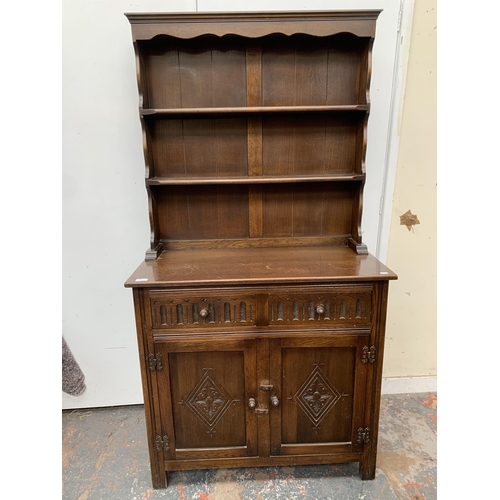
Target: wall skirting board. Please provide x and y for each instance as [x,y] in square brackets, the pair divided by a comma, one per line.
[402,385]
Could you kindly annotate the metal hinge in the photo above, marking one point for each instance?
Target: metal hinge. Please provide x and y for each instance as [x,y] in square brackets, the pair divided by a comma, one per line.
[155,362]
[368,354]
[363,435]
[161,444]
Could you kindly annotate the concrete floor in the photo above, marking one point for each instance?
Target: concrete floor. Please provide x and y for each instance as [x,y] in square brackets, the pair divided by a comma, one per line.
[105,457]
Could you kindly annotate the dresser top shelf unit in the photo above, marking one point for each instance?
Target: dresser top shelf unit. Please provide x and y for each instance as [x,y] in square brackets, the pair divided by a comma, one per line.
[254,126]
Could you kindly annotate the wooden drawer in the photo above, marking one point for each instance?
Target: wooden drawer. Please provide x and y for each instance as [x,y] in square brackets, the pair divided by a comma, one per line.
[345,306]
[201,311]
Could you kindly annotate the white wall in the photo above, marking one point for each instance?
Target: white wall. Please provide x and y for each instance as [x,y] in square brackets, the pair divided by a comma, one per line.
[105,219]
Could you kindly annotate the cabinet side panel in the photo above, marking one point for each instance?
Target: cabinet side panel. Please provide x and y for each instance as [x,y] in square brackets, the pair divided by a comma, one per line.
[375,378]
[153,423]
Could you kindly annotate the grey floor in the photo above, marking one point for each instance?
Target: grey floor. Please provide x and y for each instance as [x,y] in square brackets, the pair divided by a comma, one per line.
[105,457]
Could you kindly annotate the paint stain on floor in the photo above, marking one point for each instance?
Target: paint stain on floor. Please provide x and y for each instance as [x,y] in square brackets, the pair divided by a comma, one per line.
[105,456]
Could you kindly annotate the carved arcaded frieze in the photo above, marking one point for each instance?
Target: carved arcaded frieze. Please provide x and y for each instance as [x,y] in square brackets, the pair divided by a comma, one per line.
[202,312]
[331,308]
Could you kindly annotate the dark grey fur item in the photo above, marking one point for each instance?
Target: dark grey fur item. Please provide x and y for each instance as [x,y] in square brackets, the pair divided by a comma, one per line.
[72,376]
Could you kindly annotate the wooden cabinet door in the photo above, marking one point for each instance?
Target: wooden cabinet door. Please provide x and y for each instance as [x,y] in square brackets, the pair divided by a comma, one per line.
[203,388]
[320,385]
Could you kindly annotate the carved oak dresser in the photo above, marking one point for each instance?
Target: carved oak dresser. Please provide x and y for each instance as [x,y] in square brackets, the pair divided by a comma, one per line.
[260,313]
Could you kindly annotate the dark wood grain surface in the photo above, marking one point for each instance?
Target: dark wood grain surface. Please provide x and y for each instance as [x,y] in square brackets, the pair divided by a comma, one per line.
[256,24]
[258,265]
[279,99]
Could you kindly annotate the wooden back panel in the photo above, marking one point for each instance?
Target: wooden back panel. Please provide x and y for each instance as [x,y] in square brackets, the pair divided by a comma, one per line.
[200,212]
[199,147]
[207,71]
[303,70]
[308,144]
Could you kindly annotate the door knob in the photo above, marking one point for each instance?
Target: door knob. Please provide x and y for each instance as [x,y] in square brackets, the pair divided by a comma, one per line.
[275,401]
[251,402]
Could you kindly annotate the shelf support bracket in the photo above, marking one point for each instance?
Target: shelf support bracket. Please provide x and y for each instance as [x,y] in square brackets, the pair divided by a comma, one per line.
[359,248]
[154,253]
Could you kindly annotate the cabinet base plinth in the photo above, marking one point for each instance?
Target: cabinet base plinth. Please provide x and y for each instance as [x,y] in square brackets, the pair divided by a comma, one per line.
[366,472]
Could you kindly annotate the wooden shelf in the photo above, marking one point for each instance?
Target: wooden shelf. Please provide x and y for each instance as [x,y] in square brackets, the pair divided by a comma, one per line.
[285,264]
[254,110]
[155,181]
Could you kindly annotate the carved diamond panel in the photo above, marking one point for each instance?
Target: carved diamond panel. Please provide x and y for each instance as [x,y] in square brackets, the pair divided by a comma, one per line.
[209,400]
[317,396]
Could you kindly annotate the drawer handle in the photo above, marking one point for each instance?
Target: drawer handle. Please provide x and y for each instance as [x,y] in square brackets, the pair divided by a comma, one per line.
[203,313]
[320,309]
[251,403]
[275,401]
